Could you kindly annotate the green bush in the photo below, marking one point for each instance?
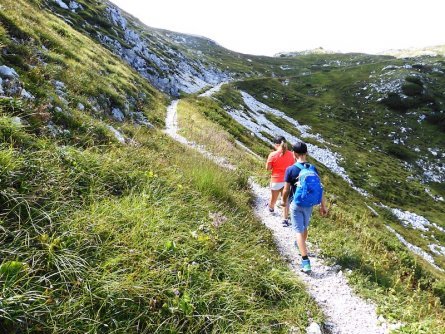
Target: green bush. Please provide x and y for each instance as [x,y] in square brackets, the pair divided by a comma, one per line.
[414,79]
[439,290]
[412,89]
[438,119]
[395,102]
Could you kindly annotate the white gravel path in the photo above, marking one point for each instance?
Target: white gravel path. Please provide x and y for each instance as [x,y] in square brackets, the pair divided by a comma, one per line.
[345,311]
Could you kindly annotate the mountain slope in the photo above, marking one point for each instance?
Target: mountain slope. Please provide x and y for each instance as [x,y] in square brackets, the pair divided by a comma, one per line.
[110,226]
[106,224]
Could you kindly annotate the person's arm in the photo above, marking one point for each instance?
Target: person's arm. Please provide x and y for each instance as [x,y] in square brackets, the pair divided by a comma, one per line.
[323,207]
[286,192]
[269,163]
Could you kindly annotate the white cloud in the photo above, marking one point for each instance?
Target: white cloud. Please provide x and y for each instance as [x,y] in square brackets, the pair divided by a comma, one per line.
[267,27]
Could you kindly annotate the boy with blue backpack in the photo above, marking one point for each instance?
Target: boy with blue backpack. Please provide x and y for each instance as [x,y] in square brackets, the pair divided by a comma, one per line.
[303,190]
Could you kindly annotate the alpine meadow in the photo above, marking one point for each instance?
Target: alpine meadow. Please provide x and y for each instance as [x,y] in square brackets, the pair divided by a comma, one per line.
[132,169]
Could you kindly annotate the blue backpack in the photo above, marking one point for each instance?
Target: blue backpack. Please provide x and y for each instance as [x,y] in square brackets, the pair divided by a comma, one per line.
[309,190]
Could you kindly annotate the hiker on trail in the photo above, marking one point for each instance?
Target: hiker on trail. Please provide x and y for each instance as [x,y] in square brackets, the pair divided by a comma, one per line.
[303,190]
[277,162]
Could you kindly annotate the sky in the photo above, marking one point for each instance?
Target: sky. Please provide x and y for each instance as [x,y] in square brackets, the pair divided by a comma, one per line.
[266,27]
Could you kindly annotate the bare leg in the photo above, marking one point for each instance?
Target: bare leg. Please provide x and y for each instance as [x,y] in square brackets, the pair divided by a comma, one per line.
[273,198]
[301,241]
[281,195]
[285,210]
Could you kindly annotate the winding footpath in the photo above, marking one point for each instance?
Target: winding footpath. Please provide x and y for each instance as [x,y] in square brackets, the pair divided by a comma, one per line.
[346,313]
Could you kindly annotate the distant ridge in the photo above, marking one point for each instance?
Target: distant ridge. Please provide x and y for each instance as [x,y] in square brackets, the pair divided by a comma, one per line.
[433,51]
[316,51]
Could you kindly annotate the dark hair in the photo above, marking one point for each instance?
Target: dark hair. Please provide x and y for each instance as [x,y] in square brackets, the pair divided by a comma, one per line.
[300,148]
[280,140]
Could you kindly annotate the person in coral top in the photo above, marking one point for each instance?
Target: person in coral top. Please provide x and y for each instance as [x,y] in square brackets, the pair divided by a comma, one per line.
[277,162]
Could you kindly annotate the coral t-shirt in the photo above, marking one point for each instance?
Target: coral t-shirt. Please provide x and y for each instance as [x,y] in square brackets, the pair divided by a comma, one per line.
[279,164]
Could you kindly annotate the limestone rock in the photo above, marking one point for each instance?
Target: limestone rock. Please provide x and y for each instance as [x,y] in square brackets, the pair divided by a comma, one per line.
[26,95]
[119,136]
[314,328]
[118,115]
[8,72]
[75,6]
[61,4]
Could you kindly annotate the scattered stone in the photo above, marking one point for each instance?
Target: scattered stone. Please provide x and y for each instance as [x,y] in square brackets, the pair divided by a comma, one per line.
[8,73]
[58,85]
[16,121]
[1,87]
[60,93]
[119,136]
[314,328]
[138,117]
[437,249]
[26,95]
[396,326]
[53,129]
[118,115]
[257,122]
[80,106]
[58,109]
[75,6]
[61,4]
[417,250]
[411,219]
[373,212]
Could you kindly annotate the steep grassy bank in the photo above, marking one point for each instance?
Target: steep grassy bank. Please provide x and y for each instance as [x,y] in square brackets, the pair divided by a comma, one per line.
[147,238]
[107,225]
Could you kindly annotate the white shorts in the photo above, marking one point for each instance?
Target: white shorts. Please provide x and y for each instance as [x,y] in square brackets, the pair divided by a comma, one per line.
[277,185]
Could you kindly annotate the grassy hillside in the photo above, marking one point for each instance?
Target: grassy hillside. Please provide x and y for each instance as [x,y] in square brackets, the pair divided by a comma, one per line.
[405,287]
[386,152]
[104,236]
[108,226]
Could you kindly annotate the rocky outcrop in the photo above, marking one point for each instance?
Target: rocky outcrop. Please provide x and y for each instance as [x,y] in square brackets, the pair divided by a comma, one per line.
[169,70]
[10,84]
[156,56]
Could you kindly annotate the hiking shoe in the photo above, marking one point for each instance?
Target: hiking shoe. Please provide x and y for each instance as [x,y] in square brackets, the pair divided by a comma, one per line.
[285,223]
[271,210]
[306,266]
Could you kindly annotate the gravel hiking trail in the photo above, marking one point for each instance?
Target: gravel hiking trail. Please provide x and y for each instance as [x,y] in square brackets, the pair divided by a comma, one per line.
[346,313]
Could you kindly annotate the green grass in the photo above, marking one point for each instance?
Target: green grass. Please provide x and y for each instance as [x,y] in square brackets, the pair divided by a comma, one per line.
[381,268]
[372,160]
[89,72]
[99,237]
[124,238]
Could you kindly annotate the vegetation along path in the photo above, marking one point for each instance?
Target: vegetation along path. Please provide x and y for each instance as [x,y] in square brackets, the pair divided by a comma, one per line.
[346,312]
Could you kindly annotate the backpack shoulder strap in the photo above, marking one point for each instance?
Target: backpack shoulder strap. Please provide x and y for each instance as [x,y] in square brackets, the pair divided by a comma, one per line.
[307,165]
[299,165]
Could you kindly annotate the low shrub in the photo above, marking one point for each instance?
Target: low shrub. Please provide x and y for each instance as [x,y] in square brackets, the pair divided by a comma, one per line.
[412,89]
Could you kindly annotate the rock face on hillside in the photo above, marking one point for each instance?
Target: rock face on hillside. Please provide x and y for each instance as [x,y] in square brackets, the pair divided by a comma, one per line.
[154,55]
